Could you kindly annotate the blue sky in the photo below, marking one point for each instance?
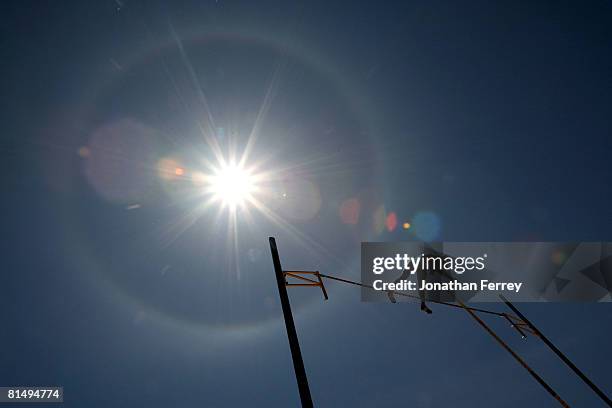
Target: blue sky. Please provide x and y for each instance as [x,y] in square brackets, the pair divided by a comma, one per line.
[492,120]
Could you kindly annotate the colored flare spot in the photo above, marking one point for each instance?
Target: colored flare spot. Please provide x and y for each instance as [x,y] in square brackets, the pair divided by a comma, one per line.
[391,221]
[349,211]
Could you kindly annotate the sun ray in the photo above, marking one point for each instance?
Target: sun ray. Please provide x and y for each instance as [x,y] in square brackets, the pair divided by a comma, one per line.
[208,132]
[263,110]
[305,240]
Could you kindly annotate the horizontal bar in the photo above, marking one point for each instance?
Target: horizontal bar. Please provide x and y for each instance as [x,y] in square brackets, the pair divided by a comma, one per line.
[304,272]
[299,277]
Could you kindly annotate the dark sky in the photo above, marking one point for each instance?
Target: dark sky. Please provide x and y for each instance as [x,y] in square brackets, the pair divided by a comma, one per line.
[473,122]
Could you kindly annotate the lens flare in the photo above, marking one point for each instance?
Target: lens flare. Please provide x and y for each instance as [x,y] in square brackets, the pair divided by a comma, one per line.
[391,221]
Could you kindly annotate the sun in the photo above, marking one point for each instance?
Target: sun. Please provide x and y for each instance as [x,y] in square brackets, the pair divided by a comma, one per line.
[232,185]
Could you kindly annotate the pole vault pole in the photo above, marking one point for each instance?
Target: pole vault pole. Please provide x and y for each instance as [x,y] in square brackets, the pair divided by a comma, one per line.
[294,345]
[558,352]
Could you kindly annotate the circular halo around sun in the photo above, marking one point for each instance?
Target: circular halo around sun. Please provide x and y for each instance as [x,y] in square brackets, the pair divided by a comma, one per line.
[169,221]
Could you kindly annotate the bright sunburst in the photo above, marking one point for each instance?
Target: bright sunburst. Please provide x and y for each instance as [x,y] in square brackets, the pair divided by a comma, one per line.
[233,185]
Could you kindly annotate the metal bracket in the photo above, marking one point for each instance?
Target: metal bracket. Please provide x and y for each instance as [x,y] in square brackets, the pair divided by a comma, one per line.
[300,275]
[519,325]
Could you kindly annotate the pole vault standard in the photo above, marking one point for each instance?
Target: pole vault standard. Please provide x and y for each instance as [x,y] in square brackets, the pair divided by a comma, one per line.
[558,352]
[294,345]
[519,322]
[522,362]
[307,278]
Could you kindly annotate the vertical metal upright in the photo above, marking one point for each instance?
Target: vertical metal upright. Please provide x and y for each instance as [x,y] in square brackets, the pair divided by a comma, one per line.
[558,352]
[294,345]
